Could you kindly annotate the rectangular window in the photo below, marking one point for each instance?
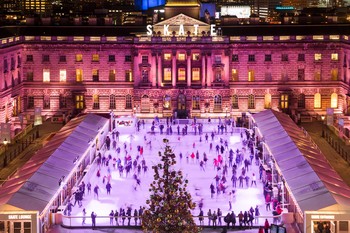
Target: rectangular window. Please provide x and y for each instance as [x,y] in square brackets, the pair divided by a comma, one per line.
[111,75]
[79,102]
[318,56]
[127,58]
[30,58]
[167,56]
[217,58]
[195,102]
[111,58]
[196,74]
[30,76]
[251,102]
[167,74]
[195,57]
[95,58]
[284,57]
[235,102]
[235,57]
[181,74]
[251,57]
[79,75]
[301,74]
[284,101]
[181,57]
[63,75]
[301,57]
[334,56]
[268,57]
[251,76]
[334,74]
[13,63]
[46,58]
[62,58]
[6,68]
[128,76]
[30,104]
[95,75]
[112,103]
[144,59]
[79,57]
[301,101]
[46,75]
[234,75]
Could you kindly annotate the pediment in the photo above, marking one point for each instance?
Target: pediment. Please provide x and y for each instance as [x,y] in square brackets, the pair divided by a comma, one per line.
[181,19]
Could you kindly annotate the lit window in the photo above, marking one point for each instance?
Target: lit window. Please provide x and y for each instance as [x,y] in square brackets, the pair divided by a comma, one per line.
[196,74]
[166,102]
[79,75]
[95,57]
[95,75]
[334,100]
[195,57]
[284,101]
[267,102]
[79,57]
[128,76]
[181,57]
[317,75]
[317,100]
[167,74]
[334,74]
[318,56]
[195,102]
[167,56]
[63,75]
[96,101]
[251,76]
[234,75]
[334,56]
[46,75]
[79,101]
[181,74]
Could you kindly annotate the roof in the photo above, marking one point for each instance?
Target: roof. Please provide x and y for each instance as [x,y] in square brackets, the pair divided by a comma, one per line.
[312,181]
[33,185]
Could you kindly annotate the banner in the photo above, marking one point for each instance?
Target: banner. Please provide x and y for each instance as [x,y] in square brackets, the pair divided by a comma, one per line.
[37,116]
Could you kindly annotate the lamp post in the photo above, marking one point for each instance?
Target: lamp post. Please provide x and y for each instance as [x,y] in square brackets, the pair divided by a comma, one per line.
[134,110]
[111,113]
[5,142]
[226,108]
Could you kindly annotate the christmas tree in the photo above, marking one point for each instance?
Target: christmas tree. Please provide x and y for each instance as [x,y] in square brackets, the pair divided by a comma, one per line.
[169,205]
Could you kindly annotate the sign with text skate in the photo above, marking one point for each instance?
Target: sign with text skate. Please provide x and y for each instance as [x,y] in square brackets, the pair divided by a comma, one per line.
[181,25]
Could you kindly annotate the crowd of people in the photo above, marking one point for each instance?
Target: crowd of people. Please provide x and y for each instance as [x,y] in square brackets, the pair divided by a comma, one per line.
[235,166]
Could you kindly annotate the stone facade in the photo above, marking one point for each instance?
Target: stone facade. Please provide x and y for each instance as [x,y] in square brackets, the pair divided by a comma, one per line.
[159,75]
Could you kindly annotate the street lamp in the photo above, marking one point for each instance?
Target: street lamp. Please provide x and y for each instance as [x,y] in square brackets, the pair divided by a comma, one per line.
[111,113]
[5,142]
[135,110]
[226,110]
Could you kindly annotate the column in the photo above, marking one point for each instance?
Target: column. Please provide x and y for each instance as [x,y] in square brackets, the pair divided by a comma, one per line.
[188,68]
[203,70]
[135,72]
[154,70]
[209,68]
[173,69]
[159,69]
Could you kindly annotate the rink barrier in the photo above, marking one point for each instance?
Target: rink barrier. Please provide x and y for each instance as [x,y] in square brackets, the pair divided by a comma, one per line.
[104,222]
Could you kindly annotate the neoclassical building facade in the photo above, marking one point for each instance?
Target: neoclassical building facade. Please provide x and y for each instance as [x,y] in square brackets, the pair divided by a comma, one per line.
[178,67]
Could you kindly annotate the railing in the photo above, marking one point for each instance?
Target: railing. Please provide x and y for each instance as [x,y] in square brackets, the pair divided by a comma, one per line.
[131,221]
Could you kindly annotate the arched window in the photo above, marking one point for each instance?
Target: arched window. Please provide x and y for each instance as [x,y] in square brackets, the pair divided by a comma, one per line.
[251,102]
[334,100]
[128,102]
[167,102]
[112,104]
[145,104]
[267,102]
[96,101]
[301,101]
[317,100]
[217,103]
[234,102]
